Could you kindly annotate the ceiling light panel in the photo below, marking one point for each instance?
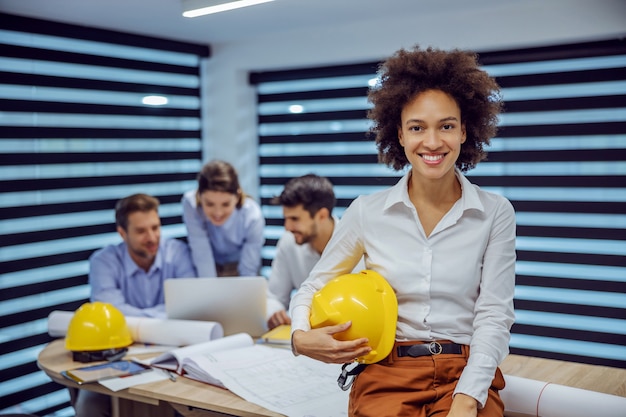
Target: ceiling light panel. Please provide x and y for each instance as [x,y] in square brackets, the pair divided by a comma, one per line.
[195,8]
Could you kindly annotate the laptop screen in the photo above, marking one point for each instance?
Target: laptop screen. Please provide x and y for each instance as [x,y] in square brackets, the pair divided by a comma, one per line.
[237,303]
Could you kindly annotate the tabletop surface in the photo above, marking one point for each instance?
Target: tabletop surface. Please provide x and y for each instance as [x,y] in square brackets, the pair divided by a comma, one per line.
[54,358]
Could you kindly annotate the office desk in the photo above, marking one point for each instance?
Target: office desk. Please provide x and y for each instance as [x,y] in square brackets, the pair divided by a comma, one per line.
[195,399]
[571,374]
[157,399]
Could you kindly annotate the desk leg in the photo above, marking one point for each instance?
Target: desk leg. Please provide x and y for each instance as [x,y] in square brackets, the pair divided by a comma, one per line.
[115,407]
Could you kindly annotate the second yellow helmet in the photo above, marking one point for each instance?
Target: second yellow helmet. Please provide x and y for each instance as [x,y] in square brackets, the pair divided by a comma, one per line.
[97,326]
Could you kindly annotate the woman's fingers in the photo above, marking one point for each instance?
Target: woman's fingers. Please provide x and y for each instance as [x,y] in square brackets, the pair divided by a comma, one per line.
[321,345]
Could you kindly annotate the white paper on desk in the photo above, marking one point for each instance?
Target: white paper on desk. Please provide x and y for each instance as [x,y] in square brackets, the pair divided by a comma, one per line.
[146,349]
[150,330]
[173,332]
[58,322]
[275,379]
[197,370]
[116,384]
[524,397]
[180,359]
[520,396]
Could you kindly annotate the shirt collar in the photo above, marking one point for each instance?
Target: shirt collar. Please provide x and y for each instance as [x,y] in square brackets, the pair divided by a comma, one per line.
[131,268]
[469,193]
[399,193]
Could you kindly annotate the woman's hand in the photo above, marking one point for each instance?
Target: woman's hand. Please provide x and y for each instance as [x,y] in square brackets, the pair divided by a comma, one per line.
[463,406]
[321,345]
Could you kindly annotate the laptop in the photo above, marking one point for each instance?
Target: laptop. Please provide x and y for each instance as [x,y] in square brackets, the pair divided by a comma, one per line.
[237,303]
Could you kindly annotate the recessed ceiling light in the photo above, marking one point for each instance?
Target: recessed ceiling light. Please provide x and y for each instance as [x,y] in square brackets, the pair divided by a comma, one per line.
[296,108]
[154,100]
[195,8]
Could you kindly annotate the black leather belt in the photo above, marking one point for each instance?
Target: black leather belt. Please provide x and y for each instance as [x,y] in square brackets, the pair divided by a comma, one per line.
[428,349]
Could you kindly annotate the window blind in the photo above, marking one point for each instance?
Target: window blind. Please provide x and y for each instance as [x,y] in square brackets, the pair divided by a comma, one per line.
[560,157]
[76,136]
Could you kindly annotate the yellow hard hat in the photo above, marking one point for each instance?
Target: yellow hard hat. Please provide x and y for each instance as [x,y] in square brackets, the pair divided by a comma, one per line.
[98,328]
[368,301]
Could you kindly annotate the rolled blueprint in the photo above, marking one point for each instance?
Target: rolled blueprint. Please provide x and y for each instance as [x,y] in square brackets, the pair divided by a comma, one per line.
[150,330]
[529,398]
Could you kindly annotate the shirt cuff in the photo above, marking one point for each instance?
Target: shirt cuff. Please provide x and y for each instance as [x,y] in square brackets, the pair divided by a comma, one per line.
[477,377]
[293,347]
[299,321]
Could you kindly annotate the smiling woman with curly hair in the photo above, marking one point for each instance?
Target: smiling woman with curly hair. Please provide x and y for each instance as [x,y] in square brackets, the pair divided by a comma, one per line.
[456,73]
[446,247]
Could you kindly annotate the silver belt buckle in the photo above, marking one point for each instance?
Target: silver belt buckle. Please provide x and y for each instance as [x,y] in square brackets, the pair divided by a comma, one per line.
[435,348]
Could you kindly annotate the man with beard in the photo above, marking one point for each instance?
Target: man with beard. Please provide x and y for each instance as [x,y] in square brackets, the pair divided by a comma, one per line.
[130,274]
[307,203]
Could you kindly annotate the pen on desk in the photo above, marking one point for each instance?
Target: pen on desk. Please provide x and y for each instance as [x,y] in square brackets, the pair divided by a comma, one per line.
[172,376]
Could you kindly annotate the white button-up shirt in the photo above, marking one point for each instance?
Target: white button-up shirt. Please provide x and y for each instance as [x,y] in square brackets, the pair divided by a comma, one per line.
[456,284]
[292,264]
[290,267]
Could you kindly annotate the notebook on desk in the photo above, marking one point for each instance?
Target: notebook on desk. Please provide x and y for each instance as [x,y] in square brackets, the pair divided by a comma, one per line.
[237,303]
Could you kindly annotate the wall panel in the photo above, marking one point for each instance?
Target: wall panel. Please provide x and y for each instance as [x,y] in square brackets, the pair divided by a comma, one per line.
[75,136]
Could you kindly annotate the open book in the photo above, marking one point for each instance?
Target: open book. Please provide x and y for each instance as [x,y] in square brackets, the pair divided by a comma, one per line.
[272,377]
[189,360]
[268,376]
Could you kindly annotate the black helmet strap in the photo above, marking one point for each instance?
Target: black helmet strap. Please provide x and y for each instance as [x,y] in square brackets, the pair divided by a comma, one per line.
[351,373]
[99,355]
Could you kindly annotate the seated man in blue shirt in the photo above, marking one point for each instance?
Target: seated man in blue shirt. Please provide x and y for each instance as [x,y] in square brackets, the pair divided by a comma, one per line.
[130,275]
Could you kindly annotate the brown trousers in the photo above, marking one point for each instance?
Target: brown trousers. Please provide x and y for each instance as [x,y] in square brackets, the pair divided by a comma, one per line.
[416,387]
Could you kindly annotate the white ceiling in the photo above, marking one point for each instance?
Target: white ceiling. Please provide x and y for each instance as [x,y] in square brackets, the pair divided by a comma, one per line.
[162,18]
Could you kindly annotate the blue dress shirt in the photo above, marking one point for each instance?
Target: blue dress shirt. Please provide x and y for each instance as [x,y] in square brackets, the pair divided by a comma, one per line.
[115,278]
[239,240]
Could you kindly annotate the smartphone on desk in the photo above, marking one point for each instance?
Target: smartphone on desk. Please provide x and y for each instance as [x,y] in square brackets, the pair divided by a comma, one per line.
[94,373]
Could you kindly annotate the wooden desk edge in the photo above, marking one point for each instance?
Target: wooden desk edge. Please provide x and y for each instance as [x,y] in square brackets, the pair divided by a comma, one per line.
[54,358]
[184,390]
[596,378]
[53,371]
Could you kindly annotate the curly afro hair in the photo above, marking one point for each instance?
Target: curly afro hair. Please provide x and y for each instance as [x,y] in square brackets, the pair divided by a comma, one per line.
[410,72]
